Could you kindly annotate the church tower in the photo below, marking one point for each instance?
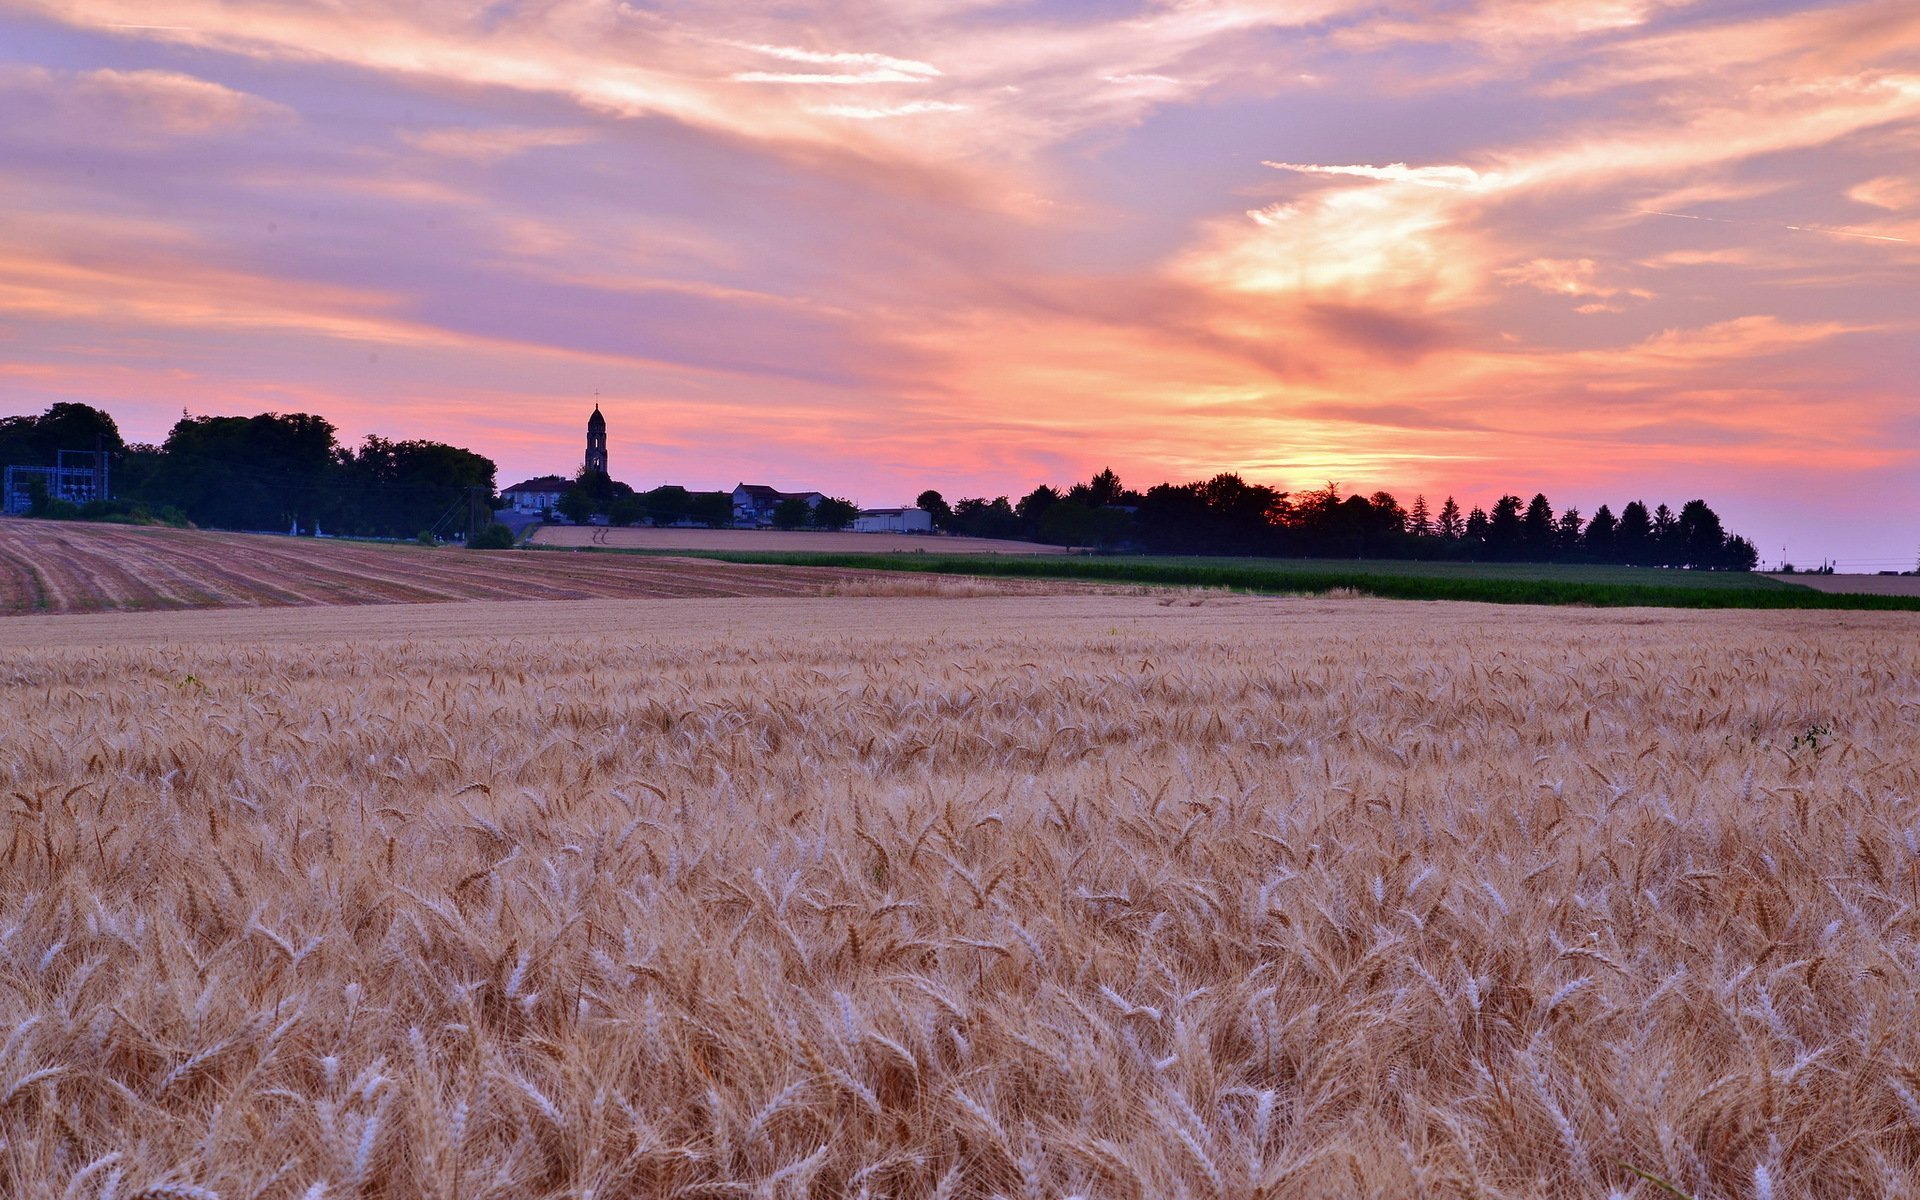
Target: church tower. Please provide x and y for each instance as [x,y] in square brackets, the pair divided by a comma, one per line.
[597,441]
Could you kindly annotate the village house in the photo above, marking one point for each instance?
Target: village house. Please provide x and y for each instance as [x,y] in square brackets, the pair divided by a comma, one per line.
[538,495]
[753,504]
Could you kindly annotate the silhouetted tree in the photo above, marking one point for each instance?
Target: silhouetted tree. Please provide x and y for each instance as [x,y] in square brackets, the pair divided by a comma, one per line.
[601,488]
[576,505]
[1633,537]
[1536,529]
[392,488]
[34,441]
[1173,519]
[1451,526]
[712,509]
[1599,535]
[1034,505]
[1245,513]
[1667,549]
[493,536]
[1566,535]
[668,504]
[1077,523]
[1419,521]
[1740,554]
[975,516]
[270,471]
[936,504]
[1388,516]
[626,510]
[1478,529]
[791,513]
[1702,540]
[1505,532]
[833,513]
[1104,489]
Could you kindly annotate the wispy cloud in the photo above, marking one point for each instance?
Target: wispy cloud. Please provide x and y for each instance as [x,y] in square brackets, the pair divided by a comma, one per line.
[881,112]
[1456,177]
[119,106]
[1828,230]
[881,62]
[1895,193]
[1573,277]
[490,144]
[878,75]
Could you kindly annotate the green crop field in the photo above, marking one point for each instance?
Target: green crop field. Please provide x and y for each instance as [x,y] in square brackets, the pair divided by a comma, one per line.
[1490,583]
[1416,569]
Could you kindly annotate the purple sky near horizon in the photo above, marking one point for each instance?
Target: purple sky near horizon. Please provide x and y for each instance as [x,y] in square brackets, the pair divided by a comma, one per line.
[1604,249]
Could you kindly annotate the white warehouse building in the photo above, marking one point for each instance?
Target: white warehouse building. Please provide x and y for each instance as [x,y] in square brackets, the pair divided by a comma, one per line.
[893,520]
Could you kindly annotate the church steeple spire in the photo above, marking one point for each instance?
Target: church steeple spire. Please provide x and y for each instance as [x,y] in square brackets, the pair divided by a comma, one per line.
[597,441]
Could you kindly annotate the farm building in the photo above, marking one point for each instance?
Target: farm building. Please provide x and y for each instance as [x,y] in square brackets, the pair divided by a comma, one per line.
[753,503]
[535,495]
[893,520]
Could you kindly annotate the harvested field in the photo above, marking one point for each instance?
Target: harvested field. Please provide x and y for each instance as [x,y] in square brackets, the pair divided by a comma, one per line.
[1104,896]
[779,541]
[67,567]
[1857,585]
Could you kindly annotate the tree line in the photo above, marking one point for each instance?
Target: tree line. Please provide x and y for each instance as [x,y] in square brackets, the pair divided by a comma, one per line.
[1226,515]
[280,471]
[271,471]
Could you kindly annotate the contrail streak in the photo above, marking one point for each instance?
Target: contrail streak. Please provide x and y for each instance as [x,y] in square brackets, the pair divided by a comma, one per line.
[1874,237]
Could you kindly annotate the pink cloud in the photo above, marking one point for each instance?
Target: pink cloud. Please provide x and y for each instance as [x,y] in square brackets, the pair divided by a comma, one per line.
[124,107]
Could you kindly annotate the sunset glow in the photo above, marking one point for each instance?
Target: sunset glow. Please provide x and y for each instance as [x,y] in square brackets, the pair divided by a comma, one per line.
[1603,249]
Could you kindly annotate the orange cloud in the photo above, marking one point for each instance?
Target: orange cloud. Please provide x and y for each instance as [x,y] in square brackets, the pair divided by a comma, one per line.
[1895,193]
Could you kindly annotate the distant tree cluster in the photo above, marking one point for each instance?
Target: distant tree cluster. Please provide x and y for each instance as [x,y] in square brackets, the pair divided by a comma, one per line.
[593,492]
[830,513]
[1227,515]
[272,471]
[33,441]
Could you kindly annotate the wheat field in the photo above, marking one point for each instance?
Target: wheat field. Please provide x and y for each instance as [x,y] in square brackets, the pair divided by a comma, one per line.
[642,537]
[59,567]
[1103,896]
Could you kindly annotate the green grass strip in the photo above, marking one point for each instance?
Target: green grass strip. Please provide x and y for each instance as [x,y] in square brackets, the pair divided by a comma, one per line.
[1237,575]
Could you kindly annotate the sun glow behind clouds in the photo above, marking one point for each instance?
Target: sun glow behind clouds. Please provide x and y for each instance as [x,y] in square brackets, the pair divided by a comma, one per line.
[1507,244]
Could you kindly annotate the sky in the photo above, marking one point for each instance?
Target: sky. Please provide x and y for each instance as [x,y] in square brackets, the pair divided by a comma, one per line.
[1603,249]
